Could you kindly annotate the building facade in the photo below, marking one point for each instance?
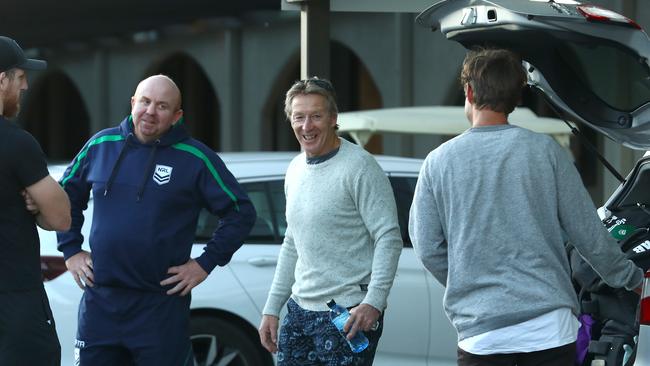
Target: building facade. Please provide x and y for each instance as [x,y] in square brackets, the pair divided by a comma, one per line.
[233,73]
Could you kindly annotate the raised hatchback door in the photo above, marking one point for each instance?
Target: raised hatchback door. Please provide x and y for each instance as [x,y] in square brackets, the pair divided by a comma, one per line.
[590,63]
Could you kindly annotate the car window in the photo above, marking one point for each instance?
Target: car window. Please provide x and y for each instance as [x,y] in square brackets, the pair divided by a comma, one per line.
[276,191]
[263,231]
[593,63]
[271,224]
[403,188]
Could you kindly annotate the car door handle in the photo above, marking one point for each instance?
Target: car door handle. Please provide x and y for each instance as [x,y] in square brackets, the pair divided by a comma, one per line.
[263,261]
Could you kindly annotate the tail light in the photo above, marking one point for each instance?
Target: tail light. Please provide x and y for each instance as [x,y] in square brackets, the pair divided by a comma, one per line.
[597,14]
[645,301]
[52,267]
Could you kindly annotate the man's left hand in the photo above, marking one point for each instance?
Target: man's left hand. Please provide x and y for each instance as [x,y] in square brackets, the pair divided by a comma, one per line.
[362,317]
[188,276]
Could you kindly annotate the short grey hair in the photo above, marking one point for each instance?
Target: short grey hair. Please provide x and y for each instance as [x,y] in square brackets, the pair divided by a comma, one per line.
[313,85]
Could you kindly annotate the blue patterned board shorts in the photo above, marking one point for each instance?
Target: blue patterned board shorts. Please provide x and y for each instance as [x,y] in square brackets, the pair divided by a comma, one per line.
[309,338]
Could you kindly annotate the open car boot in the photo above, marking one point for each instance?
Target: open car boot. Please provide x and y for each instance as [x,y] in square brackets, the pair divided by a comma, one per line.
[613,312]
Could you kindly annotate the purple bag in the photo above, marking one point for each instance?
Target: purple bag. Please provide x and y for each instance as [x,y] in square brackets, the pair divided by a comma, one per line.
[584,337]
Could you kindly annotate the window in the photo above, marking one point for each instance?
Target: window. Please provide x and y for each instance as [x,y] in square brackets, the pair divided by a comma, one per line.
[269,201]
[269,228]
[276,192]
[403,188]
[263,231]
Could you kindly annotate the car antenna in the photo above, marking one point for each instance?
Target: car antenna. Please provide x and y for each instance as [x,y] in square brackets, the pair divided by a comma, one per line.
[588,144]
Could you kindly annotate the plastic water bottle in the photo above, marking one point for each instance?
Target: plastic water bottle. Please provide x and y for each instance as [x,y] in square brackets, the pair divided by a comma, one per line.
[339,316]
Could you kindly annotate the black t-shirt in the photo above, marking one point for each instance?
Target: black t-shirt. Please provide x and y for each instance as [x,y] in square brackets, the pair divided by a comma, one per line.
[22,163]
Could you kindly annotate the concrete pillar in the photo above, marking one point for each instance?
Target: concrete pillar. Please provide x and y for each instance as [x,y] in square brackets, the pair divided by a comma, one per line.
[402,64]
[314,38]
[98,107]
[231,109]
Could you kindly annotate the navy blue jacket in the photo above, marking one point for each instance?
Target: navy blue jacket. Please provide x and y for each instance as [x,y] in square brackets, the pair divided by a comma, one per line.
[147,199]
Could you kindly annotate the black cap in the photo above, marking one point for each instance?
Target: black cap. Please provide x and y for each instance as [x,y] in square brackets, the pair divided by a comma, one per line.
[12,56]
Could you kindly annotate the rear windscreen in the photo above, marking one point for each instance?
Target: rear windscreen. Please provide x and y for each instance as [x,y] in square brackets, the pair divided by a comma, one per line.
[616,76]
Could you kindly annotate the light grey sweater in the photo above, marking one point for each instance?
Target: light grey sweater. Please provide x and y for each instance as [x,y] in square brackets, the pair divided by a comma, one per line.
[343,240]
[491,210]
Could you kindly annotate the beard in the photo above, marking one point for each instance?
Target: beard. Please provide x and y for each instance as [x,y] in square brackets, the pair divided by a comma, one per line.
[11,106]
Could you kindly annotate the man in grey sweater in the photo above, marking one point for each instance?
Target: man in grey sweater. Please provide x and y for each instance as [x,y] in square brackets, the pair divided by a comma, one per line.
[342,241]
[489,218]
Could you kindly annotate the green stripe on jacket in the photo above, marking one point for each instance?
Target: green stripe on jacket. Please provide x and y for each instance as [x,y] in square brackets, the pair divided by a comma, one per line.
[84,152]
[199,154]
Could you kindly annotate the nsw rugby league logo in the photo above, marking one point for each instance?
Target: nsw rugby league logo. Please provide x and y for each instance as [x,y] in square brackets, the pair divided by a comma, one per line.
[162,174]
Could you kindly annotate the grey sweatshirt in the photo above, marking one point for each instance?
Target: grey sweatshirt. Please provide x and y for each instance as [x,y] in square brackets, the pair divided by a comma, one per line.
[343,240]
[490,213]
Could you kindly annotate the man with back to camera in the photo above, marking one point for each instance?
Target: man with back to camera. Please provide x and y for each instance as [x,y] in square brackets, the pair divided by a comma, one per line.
[150,180]
[342,241]
[489,216]
[29,196]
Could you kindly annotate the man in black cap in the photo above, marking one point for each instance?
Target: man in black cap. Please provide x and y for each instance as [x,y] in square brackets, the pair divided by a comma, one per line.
[29,196]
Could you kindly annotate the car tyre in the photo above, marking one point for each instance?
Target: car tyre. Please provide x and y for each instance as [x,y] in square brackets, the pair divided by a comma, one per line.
[217,341]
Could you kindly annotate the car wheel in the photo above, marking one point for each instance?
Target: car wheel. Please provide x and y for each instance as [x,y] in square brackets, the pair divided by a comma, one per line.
[218,342]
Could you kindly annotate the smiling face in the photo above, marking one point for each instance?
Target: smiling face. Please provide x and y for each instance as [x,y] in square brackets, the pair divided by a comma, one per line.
[313,124]
[155,107]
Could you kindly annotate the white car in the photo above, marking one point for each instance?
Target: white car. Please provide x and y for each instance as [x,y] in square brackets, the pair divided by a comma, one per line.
[226,308]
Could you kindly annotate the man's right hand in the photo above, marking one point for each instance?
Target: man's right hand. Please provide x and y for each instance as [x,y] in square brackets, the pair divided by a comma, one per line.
[81,267]
[269,333]
[49,203]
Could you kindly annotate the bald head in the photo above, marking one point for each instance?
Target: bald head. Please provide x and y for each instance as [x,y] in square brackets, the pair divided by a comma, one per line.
[155,107]
[163,83]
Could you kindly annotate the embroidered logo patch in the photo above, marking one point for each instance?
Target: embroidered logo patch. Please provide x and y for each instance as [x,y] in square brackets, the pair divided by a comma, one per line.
[162,174]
